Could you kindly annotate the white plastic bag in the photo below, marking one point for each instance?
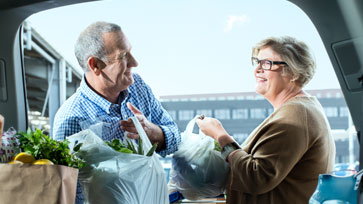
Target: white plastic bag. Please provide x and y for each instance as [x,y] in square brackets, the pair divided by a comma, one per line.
[198,171]
[115,177]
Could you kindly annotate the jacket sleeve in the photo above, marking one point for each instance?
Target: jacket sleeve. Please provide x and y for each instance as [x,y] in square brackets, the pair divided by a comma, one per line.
[278,147]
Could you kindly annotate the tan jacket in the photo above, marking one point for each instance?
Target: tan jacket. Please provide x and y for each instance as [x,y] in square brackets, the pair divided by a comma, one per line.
[282,158]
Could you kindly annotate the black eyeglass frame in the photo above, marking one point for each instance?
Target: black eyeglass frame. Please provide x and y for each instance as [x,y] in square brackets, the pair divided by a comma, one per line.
[262,63]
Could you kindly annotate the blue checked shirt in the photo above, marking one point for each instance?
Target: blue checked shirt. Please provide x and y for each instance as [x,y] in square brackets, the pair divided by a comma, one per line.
[86,107]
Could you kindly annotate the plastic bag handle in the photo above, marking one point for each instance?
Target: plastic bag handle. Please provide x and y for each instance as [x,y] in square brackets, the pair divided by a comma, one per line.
[190,126]
[145,139]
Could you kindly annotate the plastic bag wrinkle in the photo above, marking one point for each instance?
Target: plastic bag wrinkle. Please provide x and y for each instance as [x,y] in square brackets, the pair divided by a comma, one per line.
[116,177]
[198,171]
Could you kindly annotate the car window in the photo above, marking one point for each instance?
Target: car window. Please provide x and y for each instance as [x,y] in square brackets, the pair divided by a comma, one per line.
[194,55]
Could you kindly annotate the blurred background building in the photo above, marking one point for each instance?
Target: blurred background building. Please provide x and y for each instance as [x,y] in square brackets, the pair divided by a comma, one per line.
[241,113]
[50,79]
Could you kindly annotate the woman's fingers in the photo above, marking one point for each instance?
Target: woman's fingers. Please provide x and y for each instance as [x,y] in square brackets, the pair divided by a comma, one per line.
[201,117]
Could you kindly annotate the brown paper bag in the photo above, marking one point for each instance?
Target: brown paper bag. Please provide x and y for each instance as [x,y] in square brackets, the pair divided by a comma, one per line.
[37,184]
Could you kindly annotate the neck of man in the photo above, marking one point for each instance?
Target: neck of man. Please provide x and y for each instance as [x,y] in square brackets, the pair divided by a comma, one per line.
[278,100]
[98,86]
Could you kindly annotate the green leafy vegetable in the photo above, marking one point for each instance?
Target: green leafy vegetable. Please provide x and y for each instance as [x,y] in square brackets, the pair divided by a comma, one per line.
[131,146]
[125,150]
[217,147]
[152,150]
[117,145]
[42,147]
[140,149]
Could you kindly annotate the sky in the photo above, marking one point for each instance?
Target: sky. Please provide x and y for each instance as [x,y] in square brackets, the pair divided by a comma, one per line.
[190,46]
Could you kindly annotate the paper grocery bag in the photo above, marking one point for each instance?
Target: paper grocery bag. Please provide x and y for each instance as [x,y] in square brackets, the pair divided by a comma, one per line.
[37,184]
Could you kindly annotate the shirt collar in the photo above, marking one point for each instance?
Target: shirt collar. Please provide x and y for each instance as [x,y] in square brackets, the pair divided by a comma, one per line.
[99,100]
[123,95]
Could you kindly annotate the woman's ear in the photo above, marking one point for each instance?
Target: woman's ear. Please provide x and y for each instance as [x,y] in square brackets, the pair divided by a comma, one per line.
[95,65]
[295,78]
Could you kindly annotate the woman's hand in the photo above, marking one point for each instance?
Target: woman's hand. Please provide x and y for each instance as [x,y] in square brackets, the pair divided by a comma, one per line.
[211,127]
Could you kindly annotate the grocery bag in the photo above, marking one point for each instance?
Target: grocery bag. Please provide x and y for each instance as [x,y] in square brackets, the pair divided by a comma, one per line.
[37,184]
[198,171]
[9,145]
[119,178]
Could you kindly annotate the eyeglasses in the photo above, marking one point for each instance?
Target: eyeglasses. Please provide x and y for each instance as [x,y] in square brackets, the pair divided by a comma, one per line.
[265,64]
[125,55]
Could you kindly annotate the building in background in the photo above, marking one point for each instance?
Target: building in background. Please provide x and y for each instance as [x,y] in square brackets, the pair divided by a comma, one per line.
[49,78]
[241,113]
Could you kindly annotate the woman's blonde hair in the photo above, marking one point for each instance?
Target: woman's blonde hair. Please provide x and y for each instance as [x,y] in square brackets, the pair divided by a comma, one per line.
[300,61]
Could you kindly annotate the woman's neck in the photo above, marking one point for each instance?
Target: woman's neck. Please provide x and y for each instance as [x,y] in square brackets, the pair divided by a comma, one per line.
[281,98]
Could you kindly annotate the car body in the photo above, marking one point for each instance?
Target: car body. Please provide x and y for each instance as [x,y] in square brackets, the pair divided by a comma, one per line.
[339,23]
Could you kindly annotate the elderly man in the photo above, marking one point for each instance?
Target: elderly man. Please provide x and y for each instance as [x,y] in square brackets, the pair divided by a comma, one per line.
[110,92]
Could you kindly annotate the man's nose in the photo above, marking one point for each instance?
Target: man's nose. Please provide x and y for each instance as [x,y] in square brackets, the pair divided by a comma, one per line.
[132,61]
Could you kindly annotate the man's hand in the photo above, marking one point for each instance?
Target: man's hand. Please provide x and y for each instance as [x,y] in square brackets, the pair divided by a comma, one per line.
[154,132]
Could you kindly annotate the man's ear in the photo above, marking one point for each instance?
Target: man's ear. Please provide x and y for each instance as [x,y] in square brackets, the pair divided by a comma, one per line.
[95,65]
[295,78]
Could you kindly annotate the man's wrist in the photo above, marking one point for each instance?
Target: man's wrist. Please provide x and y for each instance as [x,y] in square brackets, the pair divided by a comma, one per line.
[159,137]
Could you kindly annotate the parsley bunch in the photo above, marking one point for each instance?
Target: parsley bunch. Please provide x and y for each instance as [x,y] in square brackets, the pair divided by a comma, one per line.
[42,147]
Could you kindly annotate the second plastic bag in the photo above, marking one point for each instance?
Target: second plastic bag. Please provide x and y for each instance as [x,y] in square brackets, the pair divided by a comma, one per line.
[198,171]
[115,177]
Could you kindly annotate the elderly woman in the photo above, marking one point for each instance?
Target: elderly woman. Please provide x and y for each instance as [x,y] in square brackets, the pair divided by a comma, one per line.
[281,159]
